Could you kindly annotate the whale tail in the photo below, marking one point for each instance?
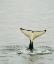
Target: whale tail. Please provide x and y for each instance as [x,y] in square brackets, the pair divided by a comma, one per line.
[32,35]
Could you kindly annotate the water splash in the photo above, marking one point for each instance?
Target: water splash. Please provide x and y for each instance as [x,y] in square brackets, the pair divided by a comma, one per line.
[17,49]
[39,51]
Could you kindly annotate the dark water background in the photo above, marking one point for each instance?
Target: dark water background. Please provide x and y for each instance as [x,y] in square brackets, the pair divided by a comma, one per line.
[28,14]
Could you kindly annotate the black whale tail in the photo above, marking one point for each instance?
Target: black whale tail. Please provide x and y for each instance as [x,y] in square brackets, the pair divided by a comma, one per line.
[32,35]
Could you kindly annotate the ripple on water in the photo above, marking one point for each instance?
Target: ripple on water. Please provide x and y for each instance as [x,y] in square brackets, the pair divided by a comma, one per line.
[16,49]
[39,51]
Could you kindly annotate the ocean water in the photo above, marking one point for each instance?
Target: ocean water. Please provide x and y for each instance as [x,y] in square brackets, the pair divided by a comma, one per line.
[31,15]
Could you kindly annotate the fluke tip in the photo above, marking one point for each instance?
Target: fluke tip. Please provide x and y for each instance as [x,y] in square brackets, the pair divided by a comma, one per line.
[20,28]
[45,30]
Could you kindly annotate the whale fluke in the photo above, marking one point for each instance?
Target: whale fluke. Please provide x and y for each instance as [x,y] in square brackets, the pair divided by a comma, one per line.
[32,35]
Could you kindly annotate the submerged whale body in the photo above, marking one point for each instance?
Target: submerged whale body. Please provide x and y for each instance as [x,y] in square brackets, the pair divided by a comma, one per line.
[32,35]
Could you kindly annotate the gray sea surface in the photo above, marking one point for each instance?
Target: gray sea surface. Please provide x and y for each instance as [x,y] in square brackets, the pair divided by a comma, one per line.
[31,15]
